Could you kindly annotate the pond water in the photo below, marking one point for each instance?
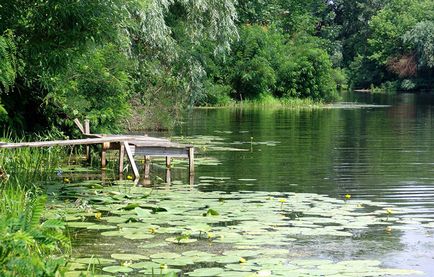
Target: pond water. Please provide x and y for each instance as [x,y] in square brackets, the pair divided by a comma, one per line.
[357,181]
[381,154]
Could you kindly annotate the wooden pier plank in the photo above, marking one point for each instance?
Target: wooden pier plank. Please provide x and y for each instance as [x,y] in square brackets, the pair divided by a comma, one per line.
[88,141]
[153,151]
[131,158]
[131,144]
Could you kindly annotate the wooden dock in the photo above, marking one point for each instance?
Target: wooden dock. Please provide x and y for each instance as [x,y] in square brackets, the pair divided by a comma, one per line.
[131,145]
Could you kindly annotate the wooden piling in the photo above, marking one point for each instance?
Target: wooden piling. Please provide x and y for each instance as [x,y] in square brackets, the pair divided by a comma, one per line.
[121,159]
[103,158]
[147,166]
[191,160]
[168,161]
[168,176]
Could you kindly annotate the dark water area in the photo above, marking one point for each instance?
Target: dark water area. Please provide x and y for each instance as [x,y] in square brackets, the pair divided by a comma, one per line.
[383,154]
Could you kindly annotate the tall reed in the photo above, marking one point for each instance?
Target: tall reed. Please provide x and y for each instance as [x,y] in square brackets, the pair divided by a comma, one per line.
[29,245]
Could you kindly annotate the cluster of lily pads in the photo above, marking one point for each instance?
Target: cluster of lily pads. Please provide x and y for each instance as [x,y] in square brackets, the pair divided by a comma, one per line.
[218,143]
[181,230]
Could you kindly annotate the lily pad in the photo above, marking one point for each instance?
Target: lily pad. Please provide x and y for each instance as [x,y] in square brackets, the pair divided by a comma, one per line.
[117,269]
[146,265]
[101,227]
[203,272]
[80,224]
[181,241]
[165,255]
[160,272]
[129,257]
[95,260]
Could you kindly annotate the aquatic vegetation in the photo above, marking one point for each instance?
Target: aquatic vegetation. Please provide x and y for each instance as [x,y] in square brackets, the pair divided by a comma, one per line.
[208,233]
[29,245]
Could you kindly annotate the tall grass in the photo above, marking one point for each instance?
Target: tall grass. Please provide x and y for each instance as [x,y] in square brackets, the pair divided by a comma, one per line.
[29,246]
[268,101]
[30,166]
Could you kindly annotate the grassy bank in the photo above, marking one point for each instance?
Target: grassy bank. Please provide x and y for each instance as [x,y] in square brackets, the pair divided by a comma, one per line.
[158,118]
[29,244]
[268,101]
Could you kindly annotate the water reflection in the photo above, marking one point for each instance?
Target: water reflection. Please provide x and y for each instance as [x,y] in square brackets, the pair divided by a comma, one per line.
[382,154]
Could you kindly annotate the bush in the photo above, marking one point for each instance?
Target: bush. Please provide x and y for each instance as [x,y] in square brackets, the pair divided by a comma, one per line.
[265,62]
[308,74]
[216,95]
[27,246]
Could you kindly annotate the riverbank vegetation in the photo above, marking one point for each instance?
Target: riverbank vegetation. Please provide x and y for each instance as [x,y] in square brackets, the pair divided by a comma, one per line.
[107,60]
[30,245]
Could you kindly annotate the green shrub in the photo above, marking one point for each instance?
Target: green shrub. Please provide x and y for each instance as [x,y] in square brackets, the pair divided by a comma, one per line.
[216,95]
[265,62]
[28,246]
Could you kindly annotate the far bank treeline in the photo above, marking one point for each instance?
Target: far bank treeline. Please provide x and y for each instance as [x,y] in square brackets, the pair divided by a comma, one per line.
[111,60]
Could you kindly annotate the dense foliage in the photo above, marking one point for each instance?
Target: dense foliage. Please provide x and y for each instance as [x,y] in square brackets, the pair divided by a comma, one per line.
[388,43]
[107,60]
[30,245]
[264,62]
[63,59]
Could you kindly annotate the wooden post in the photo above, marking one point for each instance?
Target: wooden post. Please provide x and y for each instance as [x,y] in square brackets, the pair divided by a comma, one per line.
[191,160]
[168,176]
[103,158]
[121,159]
[131,159]
[168,161]
[104,148]
[191,180]
[147,168]
[87,132]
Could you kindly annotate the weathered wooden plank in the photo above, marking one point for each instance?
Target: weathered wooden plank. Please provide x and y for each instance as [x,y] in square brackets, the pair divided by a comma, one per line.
[131,159]
[161,151]
[132,138]
[161,145]
[168,143]
[87,126]
[79,125]
[64,142]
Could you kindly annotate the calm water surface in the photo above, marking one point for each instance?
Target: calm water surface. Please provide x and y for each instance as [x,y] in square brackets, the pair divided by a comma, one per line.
[384,154]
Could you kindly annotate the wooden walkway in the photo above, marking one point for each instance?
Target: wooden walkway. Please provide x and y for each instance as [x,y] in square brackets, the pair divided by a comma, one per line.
[131,145]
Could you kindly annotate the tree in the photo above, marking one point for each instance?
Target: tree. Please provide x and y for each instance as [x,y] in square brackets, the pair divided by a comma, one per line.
[90,58]
[401,44]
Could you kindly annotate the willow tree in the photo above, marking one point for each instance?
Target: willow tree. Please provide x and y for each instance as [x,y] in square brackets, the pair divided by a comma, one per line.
[90,58]
[170,42]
